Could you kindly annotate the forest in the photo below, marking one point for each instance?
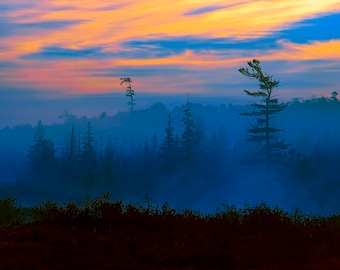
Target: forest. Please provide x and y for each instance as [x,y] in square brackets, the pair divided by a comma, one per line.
[192,155]
[193,186]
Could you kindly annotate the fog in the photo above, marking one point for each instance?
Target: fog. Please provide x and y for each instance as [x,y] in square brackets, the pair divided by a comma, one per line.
[126,153]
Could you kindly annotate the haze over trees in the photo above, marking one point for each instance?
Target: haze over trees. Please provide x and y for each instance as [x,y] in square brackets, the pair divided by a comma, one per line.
[41,154]
[129,92]
[187,155]
[188,141]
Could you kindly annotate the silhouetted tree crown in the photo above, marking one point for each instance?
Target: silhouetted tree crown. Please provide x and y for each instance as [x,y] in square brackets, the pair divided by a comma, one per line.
[334,96]
[129,92]
[41,154]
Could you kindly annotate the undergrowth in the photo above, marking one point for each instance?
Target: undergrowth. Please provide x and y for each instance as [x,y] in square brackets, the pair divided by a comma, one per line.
[101,212]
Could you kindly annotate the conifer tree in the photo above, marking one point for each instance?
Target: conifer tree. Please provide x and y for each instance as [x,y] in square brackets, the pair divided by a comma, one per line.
[169,151]
[88,155]
[169,141]
[334,96]
[188,136]
[41,155]
[263,132]
[67,160]
[72,144]
[129,92]
[88,139]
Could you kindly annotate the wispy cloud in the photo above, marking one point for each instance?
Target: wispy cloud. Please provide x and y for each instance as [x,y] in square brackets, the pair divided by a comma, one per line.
[4,65]
[202,10]
[80,46]
[54,52]
[207,9]
[46,24]
[10,7]
[178,45]
[10,28]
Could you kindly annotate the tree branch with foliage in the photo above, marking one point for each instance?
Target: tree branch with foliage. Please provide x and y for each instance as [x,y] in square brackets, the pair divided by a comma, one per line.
[129,92]
[263,131]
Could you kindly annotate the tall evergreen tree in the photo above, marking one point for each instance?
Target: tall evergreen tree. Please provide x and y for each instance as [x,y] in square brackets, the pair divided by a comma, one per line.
[334,96]
[263,132]
[169,139]
[67,159]
[169,148]
[72,144]
[88,156]
[88,139]
[129,92]
[188,136]
[41,155]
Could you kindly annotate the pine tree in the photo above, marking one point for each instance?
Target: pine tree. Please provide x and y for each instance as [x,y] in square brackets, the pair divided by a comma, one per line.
[88,155]
[129,92]
[67,160]
[72,144]
[334,96]
[169,148]
[41,155]
[188,136]
[263,132]
[169,140]
[88,139]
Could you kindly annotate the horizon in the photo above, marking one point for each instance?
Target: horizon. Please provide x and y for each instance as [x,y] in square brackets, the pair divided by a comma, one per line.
[92,105]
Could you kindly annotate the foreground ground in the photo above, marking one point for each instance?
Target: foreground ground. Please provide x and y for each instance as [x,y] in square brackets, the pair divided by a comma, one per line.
[112,236]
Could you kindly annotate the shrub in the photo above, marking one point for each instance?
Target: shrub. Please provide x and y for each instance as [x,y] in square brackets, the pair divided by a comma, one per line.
[189,214]
[264,217]
[49,212]
[100,211]
[10,214]
[229,213]
[167,211]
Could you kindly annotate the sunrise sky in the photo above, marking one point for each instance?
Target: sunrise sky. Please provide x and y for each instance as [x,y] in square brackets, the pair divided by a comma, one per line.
[60,50]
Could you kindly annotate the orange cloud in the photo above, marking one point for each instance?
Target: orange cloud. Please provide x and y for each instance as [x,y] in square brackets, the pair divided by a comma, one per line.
[143,19]
[98,23]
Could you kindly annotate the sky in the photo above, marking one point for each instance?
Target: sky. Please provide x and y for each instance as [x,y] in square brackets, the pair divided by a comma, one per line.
[59,54]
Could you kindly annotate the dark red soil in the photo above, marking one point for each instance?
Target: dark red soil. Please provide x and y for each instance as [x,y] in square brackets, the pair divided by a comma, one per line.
[161,243]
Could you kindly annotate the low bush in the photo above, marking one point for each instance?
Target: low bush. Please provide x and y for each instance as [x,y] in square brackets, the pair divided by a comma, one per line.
[49,212]
[10,214]
[101,211]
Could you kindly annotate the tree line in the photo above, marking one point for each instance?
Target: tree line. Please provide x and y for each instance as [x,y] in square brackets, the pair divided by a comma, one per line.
[81,163]
[189,156]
